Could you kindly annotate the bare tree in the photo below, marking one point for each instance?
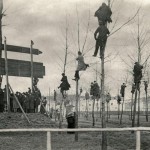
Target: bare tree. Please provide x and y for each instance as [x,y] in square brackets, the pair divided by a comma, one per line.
[1,15]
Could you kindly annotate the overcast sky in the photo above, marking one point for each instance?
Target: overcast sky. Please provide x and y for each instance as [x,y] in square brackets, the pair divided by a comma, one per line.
[44,22]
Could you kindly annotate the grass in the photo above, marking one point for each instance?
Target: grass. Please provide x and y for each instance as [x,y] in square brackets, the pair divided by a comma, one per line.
[87,140]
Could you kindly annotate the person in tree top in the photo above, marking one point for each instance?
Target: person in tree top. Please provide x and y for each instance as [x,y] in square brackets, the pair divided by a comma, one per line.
[104,13]
[91,89]
[122,90]
[81,65]
[137,72]
[96,90]
[64,86]
[133,88]
[145,86]
[101,40]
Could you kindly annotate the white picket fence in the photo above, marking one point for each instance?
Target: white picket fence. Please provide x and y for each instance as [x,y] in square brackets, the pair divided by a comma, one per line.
[50,130]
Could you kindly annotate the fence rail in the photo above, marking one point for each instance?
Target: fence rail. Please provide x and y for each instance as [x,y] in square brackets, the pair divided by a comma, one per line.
[49,130]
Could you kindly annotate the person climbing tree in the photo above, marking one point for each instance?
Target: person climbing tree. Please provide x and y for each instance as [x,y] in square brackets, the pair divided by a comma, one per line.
[108,97]
[122,90]
[81,65]
[133,88]
[145,86]
[119,99]
[91,89]
[87,95]
[55,95]
[137,73]
[64,86]
[101,40]
[104,14]
[96,90]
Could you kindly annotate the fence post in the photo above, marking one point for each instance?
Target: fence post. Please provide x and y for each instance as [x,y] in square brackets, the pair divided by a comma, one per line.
[49,141]
[138,140]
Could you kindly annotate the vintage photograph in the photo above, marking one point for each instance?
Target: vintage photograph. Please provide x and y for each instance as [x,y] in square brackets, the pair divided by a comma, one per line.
[74,75]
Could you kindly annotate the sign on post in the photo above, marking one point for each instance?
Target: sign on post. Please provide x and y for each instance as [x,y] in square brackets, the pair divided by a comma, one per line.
[20,49]
[22,68]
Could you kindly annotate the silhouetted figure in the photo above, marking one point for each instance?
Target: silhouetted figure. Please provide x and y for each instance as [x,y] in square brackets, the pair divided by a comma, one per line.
[104,14]
[137,73]
[64,86]
[101,40]
[122,90]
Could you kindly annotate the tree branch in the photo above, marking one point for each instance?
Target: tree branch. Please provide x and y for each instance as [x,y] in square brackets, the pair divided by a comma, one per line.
[130,19]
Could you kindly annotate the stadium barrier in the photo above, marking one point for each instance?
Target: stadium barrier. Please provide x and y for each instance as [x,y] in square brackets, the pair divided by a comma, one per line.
[49,130]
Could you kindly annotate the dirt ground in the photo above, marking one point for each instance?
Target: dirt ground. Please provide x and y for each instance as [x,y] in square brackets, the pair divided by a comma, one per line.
[65,141]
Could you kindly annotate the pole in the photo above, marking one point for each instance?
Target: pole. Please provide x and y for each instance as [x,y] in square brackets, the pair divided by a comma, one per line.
[31,47]
[6,70]
[49,142]
[76,114]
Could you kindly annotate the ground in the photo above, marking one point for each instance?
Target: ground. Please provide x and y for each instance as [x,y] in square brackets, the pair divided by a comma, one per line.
[64,141]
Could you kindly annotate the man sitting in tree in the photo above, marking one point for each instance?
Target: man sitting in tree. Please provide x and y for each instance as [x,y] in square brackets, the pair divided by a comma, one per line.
[104,14]
[81,65]
[64,86]
[101,40]
[122,90]
[137,72]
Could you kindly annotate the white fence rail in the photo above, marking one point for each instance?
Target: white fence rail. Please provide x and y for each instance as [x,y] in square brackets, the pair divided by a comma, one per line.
[49,130]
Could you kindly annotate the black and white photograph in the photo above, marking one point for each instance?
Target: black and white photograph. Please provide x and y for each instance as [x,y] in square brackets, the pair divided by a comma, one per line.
[74,75]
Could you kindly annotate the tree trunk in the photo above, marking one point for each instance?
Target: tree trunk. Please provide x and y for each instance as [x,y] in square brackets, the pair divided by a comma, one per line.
[86,109]
[79,106]
[131,106]
[100,109]
[146,107]
[76,114]
[107,112]
[55,111]
[122,111]
[60,115]
[134,110]
[93,118]
[104,134]
[118,110]
[1,9]
[138,119]
[97,111]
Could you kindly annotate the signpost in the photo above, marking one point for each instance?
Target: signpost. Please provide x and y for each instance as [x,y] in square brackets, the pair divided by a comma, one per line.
[20,49]
[22,68]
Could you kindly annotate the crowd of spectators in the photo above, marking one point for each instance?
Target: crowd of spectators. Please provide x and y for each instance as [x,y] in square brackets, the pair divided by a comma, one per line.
[29,101]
